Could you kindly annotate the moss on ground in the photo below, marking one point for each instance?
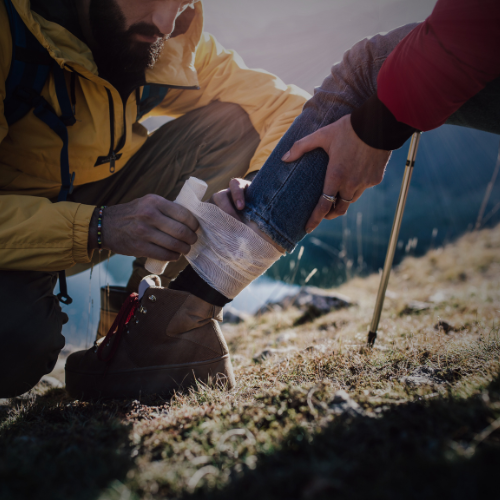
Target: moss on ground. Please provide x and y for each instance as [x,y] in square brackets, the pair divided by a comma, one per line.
[421,420]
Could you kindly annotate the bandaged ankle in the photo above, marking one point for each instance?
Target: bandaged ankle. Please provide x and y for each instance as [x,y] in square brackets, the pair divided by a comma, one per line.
[228,254]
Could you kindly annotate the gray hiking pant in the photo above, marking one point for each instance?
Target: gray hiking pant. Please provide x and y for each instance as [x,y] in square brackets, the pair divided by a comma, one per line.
[215,143]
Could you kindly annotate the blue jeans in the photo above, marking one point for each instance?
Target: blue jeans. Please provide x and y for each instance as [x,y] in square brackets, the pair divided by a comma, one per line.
[282,196]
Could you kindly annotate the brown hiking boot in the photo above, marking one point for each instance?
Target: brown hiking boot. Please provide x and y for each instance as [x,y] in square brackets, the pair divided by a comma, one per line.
[112,299]
[163,343]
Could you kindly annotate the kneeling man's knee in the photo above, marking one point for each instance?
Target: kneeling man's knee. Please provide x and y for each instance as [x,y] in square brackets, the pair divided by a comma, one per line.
[31,335]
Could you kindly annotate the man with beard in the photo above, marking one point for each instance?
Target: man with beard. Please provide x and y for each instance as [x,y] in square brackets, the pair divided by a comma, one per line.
[111,63]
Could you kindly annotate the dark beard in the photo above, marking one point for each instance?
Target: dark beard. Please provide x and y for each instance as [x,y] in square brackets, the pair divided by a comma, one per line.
[122,60]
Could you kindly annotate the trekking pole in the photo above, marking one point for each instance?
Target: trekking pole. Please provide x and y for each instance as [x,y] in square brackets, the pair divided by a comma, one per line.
[393,241]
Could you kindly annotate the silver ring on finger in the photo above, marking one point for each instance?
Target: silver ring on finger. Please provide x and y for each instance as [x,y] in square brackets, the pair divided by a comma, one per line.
[345,201]
[331,199]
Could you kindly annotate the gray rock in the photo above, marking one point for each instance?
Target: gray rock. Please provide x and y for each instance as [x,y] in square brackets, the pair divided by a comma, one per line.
[415,306]
[423,375]
[233,317]
[314,302]
[269,353]
[443,326]
[316,349]
[48,382]
[269,307]
[343,403]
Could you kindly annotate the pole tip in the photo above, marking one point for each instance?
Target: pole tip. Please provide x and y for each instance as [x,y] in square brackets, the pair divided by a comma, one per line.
[371,338]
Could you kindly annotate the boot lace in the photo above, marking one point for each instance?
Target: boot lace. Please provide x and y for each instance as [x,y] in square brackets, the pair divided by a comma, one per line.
[117,329]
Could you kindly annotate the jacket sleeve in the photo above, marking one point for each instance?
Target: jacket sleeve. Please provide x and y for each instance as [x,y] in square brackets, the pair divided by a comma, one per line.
[442,63]
[35,234]
[271,105]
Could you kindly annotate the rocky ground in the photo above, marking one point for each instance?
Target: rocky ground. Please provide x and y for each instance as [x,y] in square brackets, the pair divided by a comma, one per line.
[315,414]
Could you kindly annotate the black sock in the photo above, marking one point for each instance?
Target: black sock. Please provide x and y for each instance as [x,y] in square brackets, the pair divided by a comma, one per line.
[189,281]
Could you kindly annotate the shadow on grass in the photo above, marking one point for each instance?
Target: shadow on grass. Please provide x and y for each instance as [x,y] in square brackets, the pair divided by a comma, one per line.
[428,449]
[52,450]
[434,448]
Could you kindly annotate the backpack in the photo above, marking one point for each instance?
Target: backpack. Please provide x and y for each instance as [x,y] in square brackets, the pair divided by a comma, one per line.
[30,68]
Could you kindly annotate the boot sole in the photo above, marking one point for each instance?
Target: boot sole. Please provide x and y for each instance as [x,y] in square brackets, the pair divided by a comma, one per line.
[156,380]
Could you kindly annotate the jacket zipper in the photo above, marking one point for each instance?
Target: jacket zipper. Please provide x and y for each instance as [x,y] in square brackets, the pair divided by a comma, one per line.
[112,153]
[73,92]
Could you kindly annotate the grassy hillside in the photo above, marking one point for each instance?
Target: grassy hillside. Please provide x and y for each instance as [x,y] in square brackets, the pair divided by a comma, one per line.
[416,417]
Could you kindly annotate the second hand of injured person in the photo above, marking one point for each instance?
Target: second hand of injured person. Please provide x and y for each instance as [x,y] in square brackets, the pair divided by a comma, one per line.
[147,227]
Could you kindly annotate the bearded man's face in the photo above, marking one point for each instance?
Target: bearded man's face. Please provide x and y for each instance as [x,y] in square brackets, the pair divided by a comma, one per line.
[130,34]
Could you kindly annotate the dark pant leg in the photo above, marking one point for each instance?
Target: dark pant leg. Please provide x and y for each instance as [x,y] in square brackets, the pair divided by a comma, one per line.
[30,330]
[482,111]
[214,143]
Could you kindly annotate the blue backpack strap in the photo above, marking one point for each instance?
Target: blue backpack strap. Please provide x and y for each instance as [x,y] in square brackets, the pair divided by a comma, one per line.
[59,125]
[47,115]
[30,68]
[152,96]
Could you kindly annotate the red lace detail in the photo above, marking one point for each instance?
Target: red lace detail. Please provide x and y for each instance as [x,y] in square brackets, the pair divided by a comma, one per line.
[117,329]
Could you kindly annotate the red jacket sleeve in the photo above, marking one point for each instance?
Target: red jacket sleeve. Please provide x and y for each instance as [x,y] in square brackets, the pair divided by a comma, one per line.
[442,63]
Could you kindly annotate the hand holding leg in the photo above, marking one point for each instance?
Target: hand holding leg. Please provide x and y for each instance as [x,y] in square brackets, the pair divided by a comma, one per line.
[353,167]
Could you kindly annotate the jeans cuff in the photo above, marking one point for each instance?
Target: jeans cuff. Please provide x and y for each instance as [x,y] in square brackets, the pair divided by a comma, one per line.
[268,228]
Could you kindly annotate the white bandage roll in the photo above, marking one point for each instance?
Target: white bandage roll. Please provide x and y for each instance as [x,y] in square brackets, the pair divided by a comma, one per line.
[197,187]
[228,254]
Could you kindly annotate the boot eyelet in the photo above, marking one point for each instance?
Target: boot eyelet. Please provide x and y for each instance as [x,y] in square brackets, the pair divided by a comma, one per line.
[152,298]
[136,321]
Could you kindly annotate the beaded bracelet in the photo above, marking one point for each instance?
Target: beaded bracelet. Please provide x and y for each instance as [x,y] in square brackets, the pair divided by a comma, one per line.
[99,229]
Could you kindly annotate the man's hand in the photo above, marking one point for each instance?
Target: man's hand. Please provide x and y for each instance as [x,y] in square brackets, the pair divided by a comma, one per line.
[147,227]
[228,199]
[354,166]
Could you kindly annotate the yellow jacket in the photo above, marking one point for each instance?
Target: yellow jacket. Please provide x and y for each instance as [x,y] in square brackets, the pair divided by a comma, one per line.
[38,235]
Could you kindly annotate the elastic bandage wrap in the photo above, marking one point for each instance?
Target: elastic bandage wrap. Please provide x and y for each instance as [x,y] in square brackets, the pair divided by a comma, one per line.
[228,254]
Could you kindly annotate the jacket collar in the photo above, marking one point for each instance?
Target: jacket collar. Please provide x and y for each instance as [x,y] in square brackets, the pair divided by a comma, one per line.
[175,66]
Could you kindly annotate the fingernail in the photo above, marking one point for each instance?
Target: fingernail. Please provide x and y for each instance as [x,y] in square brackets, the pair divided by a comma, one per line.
[308,230]
[239,204]
[286,156]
